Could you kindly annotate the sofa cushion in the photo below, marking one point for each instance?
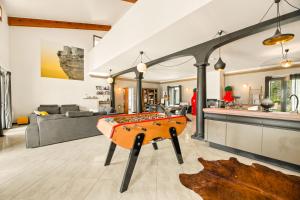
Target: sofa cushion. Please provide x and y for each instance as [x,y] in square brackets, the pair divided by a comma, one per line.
[100,113]
[79,114]
[70,107]
[51,109]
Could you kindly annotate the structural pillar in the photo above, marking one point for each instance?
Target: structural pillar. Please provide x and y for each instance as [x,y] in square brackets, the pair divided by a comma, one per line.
[201,101]
[139,102]
[112,95]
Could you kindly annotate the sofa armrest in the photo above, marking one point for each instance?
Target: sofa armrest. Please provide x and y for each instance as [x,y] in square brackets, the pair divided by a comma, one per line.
[32,136]
[33,118]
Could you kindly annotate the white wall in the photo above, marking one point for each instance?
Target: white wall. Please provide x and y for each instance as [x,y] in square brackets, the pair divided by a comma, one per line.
[147,19]
[29,89]
[4,39]
[187,88]
[253,80]
[214,82]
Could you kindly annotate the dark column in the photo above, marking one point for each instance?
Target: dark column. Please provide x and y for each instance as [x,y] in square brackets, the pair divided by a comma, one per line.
[201,101]
[112,95]
[139,102]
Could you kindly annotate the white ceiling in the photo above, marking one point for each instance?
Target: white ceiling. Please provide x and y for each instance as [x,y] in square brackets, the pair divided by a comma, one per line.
[243,54]
[202,25]
[84,11]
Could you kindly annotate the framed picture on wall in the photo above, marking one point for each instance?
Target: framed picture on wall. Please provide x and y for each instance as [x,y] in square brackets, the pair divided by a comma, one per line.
[62,61]
[0,13]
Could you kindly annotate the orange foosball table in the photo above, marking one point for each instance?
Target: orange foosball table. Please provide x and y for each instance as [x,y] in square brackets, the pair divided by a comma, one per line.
[132,131]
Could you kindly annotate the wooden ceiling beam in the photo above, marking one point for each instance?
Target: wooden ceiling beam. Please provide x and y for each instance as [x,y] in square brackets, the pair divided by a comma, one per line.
[28,22]
[130,1]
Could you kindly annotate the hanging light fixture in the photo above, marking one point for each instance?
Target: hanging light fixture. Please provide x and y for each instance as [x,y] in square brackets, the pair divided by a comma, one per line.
[110,80]
[220,65]
[285,61]
[278,37]
[142,67]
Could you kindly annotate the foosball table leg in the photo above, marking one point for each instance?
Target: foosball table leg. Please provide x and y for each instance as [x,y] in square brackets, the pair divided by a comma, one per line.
[110,153]
[133,156]
[154,144]
[176,145]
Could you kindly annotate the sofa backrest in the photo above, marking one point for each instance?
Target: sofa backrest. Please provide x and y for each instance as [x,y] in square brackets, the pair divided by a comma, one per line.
[51,109]
[69,107]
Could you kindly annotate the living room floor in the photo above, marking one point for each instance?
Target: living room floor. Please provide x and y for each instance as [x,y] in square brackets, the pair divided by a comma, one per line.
[74,170]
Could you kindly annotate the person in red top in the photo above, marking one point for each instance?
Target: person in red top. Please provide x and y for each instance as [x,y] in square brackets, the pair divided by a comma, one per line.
[194,102]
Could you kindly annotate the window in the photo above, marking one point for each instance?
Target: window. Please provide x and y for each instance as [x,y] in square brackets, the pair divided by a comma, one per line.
[279,89]
[96,40]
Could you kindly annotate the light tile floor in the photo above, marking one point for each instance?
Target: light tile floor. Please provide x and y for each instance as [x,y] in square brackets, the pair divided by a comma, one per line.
[74,170]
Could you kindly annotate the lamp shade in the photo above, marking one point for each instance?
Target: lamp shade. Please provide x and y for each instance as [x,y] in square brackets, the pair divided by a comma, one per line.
[278,38]
[286,63]
[110,80]
[142,67]
[220,65]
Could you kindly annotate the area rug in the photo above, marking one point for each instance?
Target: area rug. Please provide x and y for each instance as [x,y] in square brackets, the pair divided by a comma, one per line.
[232,180]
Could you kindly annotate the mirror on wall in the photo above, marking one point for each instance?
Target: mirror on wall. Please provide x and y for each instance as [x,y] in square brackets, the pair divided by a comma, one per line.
[174,94]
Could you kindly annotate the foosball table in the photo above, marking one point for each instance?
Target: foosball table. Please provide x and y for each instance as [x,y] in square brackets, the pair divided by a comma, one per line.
[132,131]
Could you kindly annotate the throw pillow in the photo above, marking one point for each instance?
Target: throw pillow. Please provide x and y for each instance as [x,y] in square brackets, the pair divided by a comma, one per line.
[40,113]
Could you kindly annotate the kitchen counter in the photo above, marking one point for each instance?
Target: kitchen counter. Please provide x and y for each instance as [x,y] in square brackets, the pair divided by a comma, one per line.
[256,114]
[267,136]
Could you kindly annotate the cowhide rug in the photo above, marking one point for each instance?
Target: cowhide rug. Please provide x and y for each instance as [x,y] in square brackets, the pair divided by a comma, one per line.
[232,180]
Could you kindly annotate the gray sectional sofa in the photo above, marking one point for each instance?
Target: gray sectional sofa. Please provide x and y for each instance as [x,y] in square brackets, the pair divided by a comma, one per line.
[63,124]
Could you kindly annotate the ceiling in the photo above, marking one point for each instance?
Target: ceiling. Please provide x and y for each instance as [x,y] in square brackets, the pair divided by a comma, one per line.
[201,26]
[82,11]
[247,53]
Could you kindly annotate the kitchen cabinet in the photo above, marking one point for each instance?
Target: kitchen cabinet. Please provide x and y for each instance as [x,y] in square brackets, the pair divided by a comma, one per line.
[271,135]
[244,137]
[281,144]
[216,131]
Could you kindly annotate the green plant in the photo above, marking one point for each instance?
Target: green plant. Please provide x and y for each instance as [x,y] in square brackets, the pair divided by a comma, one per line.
[228,88]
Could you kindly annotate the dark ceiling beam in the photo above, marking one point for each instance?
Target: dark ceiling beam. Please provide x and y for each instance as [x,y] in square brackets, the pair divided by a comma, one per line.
[28,22]
[202,51]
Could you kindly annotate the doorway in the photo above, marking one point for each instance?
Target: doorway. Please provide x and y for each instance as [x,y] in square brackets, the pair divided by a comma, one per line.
[129,100]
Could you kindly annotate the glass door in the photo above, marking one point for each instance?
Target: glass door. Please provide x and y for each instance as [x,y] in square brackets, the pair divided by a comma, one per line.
[174,94]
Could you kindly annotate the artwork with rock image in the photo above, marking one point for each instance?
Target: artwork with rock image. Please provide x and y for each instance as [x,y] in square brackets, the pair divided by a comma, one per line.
[62,61]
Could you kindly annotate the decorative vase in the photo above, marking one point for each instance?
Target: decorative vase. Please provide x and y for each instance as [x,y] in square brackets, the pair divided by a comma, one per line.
[267,103]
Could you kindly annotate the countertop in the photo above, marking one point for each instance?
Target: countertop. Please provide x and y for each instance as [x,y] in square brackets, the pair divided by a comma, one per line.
[259,114]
